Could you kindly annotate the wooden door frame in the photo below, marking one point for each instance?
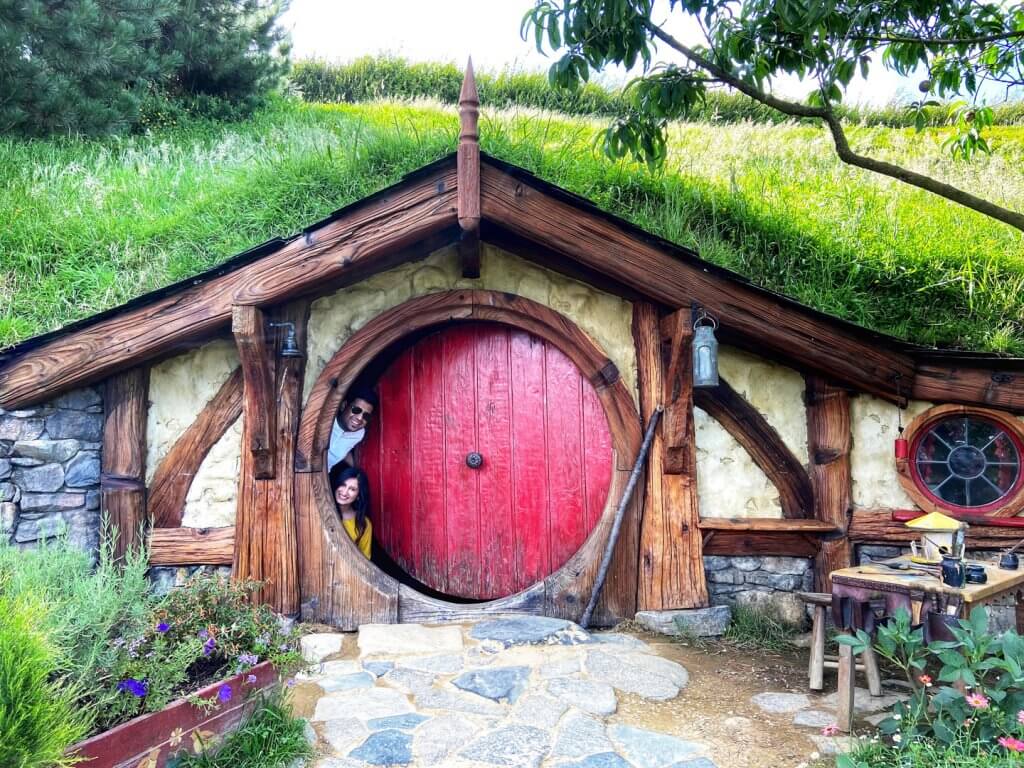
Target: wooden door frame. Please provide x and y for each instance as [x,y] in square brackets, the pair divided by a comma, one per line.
[339,586]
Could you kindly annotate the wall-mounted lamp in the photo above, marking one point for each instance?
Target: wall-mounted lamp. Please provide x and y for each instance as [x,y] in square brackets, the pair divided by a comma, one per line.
[705,351]
[900,447]
[289,348]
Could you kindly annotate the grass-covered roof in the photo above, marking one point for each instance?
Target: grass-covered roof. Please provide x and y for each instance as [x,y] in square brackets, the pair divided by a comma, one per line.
[91,224]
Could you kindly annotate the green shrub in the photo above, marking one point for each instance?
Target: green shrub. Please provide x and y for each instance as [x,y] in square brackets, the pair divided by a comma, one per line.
[984,716]
[39,712]
[270,738]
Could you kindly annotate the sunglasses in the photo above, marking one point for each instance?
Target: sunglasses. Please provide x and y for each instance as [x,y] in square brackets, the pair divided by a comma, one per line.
[355,410]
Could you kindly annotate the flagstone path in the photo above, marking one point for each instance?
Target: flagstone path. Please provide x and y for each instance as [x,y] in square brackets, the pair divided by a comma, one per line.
[527,691]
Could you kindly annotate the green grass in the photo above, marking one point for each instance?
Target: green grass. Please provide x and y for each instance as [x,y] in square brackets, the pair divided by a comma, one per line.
[270,738]
[391,77]
[90,224]
[926,753]
[755,629]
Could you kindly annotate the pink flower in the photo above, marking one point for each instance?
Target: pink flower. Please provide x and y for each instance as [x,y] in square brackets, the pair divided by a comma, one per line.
[251,679]
[1020,717]
[977,700]
[968,722]
[830,730]
[925,680]
[1012,744]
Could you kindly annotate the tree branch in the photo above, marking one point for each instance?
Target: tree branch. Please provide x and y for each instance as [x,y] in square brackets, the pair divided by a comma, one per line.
[993,38]
[847,155]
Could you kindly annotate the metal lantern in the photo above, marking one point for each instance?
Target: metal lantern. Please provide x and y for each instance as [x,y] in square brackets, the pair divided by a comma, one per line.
[901,447]
[705,351]
[289,348]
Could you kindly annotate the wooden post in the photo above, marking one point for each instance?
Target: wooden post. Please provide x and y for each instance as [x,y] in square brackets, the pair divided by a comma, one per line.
[265,538]
[123,480]
[468,196]
[671,562]
[248,326]
[828,445]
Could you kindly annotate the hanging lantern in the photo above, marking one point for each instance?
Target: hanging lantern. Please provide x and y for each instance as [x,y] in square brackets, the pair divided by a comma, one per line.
[901,448]
[705,351]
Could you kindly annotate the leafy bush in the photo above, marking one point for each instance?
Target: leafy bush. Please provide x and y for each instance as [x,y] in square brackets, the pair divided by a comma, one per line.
[39,716]
[986,717]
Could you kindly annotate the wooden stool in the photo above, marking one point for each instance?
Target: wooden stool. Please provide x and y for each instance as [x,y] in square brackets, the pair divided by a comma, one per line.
[819,660]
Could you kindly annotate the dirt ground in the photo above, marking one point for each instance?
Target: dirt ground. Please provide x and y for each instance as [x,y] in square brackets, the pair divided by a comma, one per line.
[715,707]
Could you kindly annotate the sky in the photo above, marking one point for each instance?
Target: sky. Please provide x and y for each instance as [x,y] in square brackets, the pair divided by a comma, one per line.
[487,30]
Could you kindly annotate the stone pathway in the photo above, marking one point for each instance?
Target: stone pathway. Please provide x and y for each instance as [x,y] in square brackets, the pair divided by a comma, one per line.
[525,691]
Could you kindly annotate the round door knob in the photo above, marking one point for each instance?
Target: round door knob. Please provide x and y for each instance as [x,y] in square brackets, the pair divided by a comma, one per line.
[474,460]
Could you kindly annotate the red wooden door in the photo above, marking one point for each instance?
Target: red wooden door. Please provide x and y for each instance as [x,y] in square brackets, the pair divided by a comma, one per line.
[521,404]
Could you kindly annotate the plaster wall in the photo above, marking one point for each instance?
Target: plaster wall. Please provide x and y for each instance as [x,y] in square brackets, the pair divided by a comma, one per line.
[179,389]
[605,318]
[777,392]
[212,498]
[729,483]
[874,425]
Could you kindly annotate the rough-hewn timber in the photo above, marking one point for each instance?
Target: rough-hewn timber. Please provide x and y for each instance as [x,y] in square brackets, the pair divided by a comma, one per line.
[123,478]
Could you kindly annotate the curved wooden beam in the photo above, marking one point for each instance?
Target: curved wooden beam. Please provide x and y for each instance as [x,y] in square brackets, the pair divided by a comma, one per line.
[759,438]
[175,473]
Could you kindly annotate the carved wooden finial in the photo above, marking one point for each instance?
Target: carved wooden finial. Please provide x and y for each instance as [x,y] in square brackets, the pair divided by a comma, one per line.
[469,107]
[469,174]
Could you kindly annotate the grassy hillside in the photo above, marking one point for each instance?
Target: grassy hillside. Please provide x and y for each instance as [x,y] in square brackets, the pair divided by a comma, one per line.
[90,224]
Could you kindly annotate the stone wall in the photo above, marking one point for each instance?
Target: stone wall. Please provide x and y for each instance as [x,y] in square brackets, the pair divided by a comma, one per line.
[767,583]
[50,470]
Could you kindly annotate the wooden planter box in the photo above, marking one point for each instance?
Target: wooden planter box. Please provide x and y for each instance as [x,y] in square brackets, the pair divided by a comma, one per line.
[150,740]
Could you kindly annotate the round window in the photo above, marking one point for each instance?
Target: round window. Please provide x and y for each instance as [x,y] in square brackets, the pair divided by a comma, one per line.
[966,461]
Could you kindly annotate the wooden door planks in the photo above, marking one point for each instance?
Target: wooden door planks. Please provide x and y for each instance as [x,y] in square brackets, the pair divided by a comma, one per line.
[783,328]
[351,243]
[828,444]
[759,439]
[671,572]
[174,474]
[191,546]
[123,479]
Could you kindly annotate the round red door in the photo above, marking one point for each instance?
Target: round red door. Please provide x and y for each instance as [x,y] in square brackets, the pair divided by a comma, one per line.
[519,404]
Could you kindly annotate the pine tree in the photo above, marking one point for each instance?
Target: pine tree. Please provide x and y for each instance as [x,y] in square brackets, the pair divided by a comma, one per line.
[232,50]
[77,66]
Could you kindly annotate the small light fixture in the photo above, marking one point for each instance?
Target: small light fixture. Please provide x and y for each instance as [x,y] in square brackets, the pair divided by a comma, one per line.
[705,351]
[289,348]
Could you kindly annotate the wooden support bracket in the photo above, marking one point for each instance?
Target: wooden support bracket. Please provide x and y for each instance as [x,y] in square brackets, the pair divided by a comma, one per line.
[247,325]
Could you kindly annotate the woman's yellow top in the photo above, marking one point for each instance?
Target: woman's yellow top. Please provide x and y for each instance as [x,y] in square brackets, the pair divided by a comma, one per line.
[363,542]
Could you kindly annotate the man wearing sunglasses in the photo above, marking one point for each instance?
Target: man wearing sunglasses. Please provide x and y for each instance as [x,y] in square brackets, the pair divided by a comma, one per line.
[350,427]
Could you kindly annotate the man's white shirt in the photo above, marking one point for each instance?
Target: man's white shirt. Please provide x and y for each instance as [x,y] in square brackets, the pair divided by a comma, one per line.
[341,444]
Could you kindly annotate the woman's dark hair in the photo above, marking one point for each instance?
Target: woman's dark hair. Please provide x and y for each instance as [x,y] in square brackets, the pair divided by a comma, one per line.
[361,505]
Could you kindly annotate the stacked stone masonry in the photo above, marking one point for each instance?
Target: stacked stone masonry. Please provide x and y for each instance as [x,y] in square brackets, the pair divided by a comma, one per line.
[767,583]
[50,470]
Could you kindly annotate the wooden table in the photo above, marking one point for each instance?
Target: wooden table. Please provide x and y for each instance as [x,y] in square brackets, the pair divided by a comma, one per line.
[920,595]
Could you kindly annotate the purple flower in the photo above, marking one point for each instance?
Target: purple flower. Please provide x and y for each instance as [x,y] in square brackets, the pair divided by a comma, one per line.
[224,693]
[162,627]
[290,682]
[208,646]
[135,687]
[251,679]
[248,659]
[203,634]
[117,642]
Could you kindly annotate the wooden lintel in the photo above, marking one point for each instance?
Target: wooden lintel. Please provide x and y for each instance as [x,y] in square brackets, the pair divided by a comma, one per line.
[122,489]
[677,336]
[191,546]
[248,325]
[878,526]
[355,241]
[768,524]
[760,543]
[174,474]
[944,383]
[764,445]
